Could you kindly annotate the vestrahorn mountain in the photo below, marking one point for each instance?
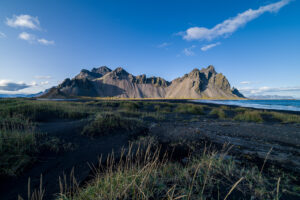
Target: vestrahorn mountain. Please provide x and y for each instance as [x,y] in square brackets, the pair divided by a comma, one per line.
[104,82]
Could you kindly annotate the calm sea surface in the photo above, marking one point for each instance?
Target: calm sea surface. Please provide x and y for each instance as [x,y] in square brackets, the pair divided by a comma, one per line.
[292,105]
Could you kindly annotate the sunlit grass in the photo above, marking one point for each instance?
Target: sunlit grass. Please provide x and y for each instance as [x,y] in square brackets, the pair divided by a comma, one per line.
[286,118]
[219,112]
[249,116]
[144,174]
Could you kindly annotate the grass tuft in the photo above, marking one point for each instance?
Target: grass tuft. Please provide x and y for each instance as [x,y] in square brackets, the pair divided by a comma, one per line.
[107,123]
[218,112]
[249,116]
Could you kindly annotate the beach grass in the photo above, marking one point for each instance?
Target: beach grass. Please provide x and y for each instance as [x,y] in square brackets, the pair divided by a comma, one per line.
[108,123]
[148,173]
[249,116]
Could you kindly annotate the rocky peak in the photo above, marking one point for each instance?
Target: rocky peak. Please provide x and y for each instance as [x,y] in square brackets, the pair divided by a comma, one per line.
[87,74]
[194,74]
[237,92]
[158,81]
[101,70]
[209,71]
[120,73]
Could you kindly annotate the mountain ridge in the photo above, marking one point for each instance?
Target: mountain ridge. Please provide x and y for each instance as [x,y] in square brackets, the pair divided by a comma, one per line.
[104,82]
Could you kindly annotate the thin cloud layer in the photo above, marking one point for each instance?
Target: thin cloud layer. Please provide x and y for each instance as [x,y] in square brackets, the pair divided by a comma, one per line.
[209,46]
[163,45]
[23,21]
[266,89]
[245,82]
[2,35]
[26,36]
[12,86]
[189,51]
[45,42]
[44,82]
[42,77]
[230,25]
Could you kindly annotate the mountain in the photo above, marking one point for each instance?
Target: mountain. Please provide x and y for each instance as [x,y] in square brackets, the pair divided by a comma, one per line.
[270,97]
[20,95]
[104,82]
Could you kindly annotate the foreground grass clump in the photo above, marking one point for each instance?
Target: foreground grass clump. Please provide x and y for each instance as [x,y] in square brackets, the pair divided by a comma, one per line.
[43,110]
[16,149]
[218,112]
[147,174]
[249,116]
[107,123]
[286,118]
[189,109]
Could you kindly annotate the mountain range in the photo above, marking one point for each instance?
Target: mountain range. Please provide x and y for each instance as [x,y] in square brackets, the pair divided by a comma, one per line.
[104,82]
[20,95]
[270,97]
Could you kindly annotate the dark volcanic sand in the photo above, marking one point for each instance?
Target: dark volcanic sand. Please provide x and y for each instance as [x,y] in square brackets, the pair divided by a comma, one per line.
[249,139]
[52,166]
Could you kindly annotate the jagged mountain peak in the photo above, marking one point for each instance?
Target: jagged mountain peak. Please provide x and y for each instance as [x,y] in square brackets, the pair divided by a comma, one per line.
[211,69]
[120,73]
[101,70]
[105,82]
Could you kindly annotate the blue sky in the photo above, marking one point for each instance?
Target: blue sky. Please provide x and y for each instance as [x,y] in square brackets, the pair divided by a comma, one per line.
[255,43]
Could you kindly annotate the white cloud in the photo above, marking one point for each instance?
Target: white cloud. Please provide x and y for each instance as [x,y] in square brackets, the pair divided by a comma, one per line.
[44,82]
[2,35]
[45,42]
[26,36]
[163,45]
[32,39]
[230,25]
[33,83]
[245,82]
[189,51]
[23,21]
[42,77]
[209,46]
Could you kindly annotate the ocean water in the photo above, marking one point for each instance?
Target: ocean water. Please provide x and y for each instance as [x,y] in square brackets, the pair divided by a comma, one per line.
[289,105]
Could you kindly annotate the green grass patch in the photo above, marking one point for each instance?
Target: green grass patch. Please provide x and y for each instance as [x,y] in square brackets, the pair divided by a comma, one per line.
[43,110]
[218,112]
[249,116]
[108,123]
[286,118]
[16,150]
[142,175]
[189,109]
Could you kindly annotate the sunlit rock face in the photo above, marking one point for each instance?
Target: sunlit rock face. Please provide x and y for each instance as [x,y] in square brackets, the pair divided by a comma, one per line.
[104,82]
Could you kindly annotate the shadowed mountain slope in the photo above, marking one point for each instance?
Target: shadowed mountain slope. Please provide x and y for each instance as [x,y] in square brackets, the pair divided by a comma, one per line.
[104,82]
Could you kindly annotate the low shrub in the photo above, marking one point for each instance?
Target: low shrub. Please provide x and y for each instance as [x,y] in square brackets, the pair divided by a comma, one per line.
[43,110]
[189,109]
[107,123]
[286,118]
[16,150]
[218,112]
[249,116]
[141,174]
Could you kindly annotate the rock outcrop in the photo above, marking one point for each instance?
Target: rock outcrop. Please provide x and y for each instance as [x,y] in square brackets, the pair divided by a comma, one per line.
[104,82]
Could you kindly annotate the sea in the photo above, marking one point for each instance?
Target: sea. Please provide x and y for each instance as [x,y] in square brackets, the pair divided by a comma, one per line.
[288,105]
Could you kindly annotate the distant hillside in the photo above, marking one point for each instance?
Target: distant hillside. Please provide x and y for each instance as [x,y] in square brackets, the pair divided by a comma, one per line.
[104,82]
[270,97]
[20,95]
